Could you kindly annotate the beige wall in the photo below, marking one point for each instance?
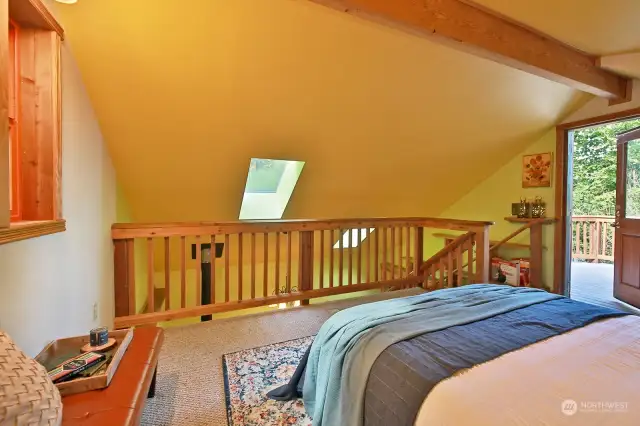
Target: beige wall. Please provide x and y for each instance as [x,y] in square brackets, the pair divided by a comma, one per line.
[48,285]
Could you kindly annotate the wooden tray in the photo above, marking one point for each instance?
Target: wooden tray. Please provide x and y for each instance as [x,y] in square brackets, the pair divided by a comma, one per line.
[61,350]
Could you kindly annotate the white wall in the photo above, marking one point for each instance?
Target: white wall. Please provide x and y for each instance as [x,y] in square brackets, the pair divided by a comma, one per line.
[48,285]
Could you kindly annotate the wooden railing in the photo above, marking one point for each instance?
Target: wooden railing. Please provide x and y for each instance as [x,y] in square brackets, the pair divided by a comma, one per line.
[258,263]
[437,269]
[592,238]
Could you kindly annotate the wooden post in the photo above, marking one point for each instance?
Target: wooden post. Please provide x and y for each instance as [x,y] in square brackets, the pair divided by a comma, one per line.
[418,254]
[535,264]
[124,285]
[596,239]
[306,263]
[483,260]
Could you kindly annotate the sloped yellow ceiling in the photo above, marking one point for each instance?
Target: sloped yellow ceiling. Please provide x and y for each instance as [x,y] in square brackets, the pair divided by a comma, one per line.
[388,124]
[598,27]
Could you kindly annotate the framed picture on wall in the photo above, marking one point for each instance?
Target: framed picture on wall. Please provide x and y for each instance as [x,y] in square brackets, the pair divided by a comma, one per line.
[536,170]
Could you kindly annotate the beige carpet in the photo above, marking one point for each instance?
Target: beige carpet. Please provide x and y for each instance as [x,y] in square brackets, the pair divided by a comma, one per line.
[190,384]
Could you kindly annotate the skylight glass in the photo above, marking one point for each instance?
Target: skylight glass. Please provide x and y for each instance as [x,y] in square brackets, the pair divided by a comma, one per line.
[357,236]
[270,184]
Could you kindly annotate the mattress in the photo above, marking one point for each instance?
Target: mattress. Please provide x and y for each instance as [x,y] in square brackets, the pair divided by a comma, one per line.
[588,376]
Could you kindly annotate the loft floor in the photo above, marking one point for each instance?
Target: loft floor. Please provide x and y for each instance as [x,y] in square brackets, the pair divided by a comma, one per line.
[190,387]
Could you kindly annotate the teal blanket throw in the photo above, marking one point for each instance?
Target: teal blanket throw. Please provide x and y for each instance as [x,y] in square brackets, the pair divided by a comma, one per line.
[348,344]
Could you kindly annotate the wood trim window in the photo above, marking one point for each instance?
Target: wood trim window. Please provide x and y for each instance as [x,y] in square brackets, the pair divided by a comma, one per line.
[14,136]
[30,145]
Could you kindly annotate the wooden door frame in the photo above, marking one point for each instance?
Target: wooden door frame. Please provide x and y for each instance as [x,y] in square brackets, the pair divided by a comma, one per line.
[561,181]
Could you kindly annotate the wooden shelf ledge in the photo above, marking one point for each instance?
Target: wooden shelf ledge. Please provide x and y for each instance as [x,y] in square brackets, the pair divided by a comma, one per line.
[18,231]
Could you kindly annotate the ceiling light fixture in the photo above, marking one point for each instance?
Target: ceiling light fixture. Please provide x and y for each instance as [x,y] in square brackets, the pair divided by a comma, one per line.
[67,1]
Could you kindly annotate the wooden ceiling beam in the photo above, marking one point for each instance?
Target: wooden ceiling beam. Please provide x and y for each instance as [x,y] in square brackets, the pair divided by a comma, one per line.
[473,29]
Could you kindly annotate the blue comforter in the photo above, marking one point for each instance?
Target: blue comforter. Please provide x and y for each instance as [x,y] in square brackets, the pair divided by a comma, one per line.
[348,344]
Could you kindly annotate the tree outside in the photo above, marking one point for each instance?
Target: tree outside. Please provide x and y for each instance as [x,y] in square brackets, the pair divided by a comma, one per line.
[594,183]
[594,170]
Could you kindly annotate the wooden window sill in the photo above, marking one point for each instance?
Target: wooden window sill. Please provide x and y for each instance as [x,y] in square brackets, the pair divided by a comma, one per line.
[31,229]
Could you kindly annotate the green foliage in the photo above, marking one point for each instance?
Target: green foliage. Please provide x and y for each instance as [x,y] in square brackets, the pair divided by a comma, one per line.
[594,170]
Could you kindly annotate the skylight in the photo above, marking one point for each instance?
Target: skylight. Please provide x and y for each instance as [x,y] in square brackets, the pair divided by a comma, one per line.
[357,236]
[270,184]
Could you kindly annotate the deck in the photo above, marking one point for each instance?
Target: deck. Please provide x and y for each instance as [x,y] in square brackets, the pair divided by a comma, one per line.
[593,283]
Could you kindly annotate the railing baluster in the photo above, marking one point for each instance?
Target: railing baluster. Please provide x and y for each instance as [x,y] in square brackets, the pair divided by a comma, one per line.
[418,250]
[367,241]
[459,265]
[289,277]
[227,249]
[253,265]
[598,236]
[183,272]
[150,271]
[393,253]
[585,245]
[212,262]
[441,267]
[434,275]
[408,249]
[400,245]
[450,269]
[360,231]
[277,263]
[240,265]
[470,274]
[321,272]
[592,239]
[613,241]
[340,257]
[384,254]
[376,249]
[198,272]
[265,255]
[167,275]
[331,262]
[350,246]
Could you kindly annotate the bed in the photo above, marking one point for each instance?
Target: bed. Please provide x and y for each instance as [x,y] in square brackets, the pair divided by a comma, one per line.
[474,355]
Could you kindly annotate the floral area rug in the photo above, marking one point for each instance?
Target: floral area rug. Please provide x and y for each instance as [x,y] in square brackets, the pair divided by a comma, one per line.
[251,373]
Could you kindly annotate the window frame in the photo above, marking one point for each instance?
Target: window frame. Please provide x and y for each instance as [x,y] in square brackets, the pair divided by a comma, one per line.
[30,138]
[14,123]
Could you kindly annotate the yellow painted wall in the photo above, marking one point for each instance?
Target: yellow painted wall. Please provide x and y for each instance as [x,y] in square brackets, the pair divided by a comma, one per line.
[491,200]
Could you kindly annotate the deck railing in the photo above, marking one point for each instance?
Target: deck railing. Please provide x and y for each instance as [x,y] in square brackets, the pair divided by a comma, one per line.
[258,263]
[592,238]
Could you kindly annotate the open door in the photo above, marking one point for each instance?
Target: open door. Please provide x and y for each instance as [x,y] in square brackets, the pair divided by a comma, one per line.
[626,280]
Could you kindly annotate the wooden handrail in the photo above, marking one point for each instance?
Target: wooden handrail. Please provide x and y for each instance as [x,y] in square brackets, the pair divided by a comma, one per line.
[518,232]
[120,231]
